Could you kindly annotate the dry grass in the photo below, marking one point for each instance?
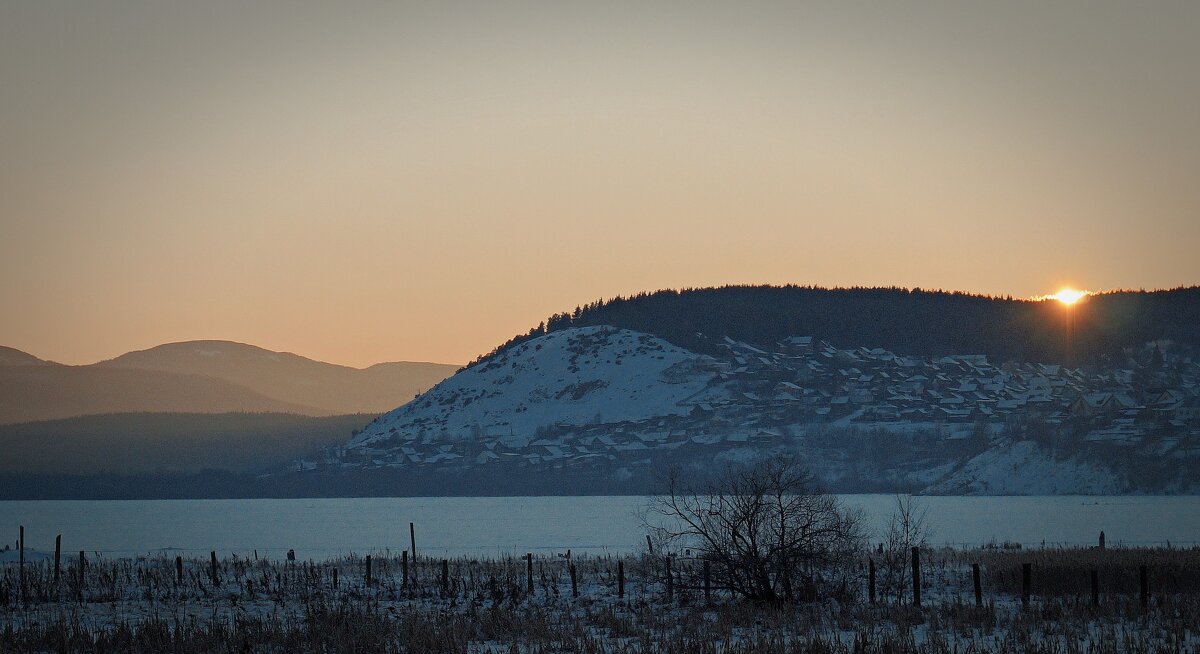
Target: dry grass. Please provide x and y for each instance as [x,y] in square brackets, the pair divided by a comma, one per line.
[138,605]
[1066,572]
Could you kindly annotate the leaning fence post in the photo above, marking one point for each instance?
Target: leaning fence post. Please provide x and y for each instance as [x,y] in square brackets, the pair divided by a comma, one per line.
[916,576]
[529,572]
[368,576]
[871,580]
[216,580]
[412,539]
[1143,586]
[574,581]
[178,570]
[1026,582]
[445,574]
[978,583]
[620,579]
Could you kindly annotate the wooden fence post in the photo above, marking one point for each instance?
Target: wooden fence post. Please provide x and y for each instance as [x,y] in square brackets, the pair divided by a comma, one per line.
[574,581]
[178,570]
[57,558]
[1143,586]
[21,565]
[670,581]
[1095,587]
[368,575]
[80,572]
[620,579]
[529,572]
[216,579]
[707,582]
[978,582]
[1101,540]
[445,574]
[916,576]
[871,580]
[404,569]
[1026,582]
[412,539]
[649,545]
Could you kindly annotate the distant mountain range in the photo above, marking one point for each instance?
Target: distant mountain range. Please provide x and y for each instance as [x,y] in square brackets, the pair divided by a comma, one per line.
[204,377]
[14,357]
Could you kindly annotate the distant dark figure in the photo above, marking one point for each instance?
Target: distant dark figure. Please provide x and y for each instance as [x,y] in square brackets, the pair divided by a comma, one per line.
[1101,540]
[291,555]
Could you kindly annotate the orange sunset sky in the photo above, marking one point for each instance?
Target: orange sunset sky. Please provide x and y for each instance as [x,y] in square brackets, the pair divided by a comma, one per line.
[361,182]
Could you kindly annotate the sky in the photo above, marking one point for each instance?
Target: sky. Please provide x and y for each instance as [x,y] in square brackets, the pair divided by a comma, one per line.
[361,182]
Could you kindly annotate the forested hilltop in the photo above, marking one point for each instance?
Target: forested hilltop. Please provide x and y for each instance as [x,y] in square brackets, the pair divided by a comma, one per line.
[906,321]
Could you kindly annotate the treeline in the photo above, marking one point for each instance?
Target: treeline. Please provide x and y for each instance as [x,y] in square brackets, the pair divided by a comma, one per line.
[169,443]
[905,321]
[494,481]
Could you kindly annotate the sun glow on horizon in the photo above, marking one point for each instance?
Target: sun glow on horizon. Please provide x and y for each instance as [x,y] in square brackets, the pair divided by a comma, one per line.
[1068,296]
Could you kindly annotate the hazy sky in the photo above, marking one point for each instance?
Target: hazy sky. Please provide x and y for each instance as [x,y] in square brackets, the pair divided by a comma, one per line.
[365,182]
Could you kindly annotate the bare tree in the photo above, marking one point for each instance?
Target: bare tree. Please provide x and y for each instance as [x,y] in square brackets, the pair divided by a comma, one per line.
[908,528]
[765,530]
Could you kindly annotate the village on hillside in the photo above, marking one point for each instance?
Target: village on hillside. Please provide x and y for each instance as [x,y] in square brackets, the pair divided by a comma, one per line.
[805,389]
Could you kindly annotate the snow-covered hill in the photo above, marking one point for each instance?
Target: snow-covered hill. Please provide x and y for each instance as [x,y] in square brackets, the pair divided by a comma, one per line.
[574,377]
[612,408]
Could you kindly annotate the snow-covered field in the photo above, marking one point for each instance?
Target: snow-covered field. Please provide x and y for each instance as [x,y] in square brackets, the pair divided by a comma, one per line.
[488,606]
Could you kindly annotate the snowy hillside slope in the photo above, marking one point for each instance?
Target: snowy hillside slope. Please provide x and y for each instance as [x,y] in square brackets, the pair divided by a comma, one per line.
[611,409]
[1023,468]
[573,377]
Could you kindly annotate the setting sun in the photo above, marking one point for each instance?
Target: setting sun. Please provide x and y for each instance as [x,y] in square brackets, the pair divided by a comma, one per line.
[1069,296]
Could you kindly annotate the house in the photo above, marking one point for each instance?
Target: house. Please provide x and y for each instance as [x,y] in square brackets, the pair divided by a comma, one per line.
[797,344]
[766,436]
[1089,404]
[1187,410]
[861,396]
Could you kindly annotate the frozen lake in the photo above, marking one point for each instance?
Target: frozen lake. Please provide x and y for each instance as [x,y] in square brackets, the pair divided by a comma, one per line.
[489,526]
